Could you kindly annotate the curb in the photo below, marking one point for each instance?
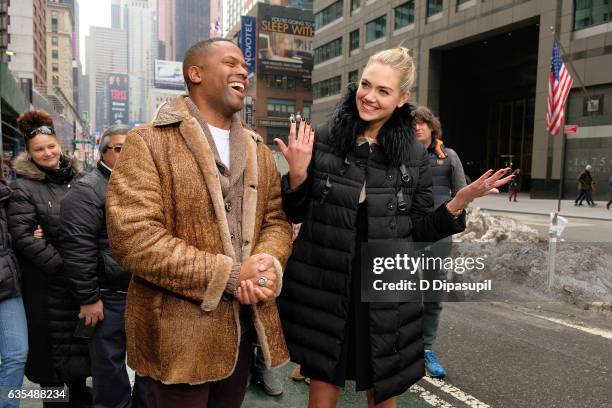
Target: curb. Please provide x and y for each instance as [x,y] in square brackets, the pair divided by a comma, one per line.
[544,214]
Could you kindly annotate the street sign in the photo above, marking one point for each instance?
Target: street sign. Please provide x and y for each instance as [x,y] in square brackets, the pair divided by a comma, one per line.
[571,129]
[82,141]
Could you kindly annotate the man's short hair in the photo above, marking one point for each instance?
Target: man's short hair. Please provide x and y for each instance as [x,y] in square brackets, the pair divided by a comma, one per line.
[192,54]
[112,131]
[423,114]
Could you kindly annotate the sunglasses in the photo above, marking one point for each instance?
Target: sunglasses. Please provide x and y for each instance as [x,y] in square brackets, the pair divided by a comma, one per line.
[117,148]
[45,130]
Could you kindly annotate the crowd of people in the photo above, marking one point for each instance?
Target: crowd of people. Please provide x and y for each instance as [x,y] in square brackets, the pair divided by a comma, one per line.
[178,250]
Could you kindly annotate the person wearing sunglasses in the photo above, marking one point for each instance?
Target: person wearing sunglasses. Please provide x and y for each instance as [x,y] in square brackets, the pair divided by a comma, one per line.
[45,175]
[98,282]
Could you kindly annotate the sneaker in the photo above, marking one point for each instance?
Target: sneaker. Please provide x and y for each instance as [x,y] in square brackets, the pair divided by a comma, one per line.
[433,366]
[270,384]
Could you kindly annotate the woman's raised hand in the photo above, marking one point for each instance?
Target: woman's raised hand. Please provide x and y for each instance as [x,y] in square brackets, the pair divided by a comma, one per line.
[487,184]
[299,152]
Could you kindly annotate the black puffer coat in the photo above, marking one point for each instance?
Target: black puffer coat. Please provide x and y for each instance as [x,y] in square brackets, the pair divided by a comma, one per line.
[88,261]
[55,355]
[314,302]
[9,267]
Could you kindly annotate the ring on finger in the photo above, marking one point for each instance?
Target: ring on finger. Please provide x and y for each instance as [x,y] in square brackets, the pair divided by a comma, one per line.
[262,281]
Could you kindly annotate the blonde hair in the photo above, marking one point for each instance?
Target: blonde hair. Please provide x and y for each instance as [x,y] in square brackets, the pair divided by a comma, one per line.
[398,58]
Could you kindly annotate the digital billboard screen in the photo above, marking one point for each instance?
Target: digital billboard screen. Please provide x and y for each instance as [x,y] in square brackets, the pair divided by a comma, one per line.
[285,41]
[118,88]
[169,75]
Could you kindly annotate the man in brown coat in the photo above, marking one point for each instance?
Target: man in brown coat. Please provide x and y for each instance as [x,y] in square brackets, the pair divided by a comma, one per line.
[194,211]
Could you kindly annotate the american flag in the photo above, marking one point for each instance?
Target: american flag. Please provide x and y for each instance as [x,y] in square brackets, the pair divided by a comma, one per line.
[215,31]
[559,85]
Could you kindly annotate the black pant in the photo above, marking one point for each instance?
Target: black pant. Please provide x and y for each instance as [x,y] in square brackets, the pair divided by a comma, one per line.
[107,353]
[227,393]
[587,195]
[584,194]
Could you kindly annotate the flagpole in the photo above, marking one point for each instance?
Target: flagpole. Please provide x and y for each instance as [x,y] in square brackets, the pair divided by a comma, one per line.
[562,175]
[568,60]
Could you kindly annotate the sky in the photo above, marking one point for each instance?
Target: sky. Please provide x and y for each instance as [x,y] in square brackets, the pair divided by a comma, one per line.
[92,13]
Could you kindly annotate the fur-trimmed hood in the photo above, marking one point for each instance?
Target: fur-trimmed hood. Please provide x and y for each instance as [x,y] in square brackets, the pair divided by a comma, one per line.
[26,168]
[395,138]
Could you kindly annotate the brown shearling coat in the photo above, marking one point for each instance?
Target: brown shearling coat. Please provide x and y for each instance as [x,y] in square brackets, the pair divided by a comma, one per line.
[166,223]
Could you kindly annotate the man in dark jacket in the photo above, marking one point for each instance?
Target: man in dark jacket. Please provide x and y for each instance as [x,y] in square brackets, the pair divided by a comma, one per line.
[585,181]
[98,282]
[447,178]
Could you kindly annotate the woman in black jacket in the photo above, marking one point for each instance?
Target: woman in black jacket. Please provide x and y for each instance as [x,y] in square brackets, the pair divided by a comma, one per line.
[365,179]
[13,326]
[45,175]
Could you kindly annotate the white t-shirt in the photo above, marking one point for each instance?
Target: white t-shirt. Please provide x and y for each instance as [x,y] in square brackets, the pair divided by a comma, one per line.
[221,137]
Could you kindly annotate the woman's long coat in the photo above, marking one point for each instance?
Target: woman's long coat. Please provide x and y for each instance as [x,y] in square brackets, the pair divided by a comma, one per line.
[314,303]
[55,355]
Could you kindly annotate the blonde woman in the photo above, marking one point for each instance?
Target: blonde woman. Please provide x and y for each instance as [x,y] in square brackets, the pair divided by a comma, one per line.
[362,178]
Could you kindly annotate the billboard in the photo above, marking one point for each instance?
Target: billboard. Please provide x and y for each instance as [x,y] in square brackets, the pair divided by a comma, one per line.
[168,75]
[285,41]
[118,88]
[248,41]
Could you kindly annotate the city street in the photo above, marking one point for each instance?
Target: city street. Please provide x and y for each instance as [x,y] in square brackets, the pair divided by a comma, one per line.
[585,224]
[497,355]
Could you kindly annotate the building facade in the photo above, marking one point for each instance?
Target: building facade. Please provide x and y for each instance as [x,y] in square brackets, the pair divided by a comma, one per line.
[4,31]
[28,41]
[60,49]
[280,85]
[483,66]
[192,24]
[138,19]
[166,17]
[106,50]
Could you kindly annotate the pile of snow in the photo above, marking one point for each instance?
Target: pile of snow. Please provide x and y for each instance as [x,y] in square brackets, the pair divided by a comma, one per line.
[483,227]
[517,263]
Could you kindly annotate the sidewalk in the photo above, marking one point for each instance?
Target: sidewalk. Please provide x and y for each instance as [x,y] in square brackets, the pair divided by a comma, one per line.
[526,205]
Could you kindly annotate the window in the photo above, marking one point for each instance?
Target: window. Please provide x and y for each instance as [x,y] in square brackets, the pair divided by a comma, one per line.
[591,12]
[281,133]
[355,5]
[328,51]
[54,22]
[460,2]
[301,4]
[55,67]
[353,76]
[434,7]
[403,15]
[54,40]
[280,82]
[307,109]
[354,40]
[328,14]
[376,29]
[281,107]
[326,87]
[307,84]
[55,80]
[54,54]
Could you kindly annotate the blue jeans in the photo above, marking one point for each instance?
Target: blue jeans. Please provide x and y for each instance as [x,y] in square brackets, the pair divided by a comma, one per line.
[13,347]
